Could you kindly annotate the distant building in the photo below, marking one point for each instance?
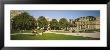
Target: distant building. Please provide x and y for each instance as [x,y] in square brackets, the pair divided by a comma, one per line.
[86,23]
[70,20]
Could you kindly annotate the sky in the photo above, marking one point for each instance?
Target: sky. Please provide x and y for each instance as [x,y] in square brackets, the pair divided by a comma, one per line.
[58,14]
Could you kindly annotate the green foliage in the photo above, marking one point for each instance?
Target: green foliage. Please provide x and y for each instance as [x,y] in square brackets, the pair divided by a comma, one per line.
[14,13]
[54,24]
[50,36]
[23,21]
[42,22]
[63,23]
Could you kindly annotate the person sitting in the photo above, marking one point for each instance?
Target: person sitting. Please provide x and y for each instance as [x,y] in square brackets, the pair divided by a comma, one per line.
[34,31]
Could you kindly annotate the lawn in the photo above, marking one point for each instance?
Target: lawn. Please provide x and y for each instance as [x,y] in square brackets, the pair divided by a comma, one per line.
[49,36]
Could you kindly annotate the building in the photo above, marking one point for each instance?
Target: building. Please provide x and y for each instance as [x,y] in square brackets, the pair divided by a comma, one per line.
[86,23]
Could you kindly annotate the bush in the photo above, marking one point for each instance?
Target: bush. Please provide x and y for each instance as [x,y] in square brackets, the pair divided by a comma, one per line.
[15,31]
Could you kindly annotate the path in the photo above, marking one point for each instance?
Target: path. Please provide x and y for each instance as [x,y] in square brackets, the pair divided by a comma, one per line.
[93,35]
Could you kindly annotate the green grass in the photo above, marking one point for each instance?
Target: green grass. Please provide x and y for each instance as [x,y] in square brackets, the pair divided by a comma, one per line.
[49,36]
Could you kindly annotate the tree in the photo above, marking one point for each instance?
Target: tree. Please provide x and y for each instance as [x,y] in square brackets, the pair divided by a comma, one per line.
[14,13]
[23,21]
[63,23]
[54,24]
[42,22]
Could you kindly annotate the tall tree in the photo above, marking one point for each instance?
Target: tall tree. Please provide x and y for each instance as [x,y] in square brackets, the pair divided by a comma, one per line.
[54,24]
[14,13]
[42,22]
[23,21]
[63,23]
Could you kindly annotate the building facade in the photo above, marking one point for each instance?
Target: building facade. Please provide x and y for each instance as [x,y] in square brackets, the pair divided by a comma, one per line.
[86,23]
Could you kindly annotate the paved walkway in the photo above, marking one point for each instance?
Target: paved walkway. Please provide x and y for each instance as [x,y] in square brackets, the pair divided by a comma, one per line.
[93,35]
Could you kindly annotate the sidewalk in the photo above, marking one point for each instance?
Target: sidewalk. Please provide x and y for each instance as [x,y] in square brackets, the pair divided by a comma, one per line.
[93,35]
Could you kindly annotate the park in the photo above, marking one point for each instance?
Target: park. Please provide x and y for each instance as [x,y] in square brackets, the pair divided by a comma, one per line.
[26,27]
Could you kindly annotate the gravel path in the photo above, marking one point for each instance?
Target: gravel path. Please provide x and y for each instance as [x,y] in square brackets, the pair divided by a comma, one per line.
[93,35]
